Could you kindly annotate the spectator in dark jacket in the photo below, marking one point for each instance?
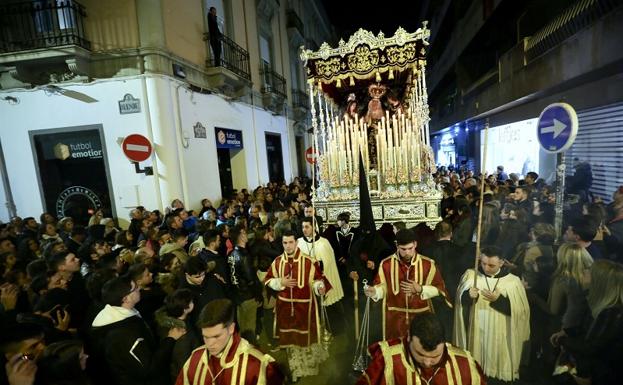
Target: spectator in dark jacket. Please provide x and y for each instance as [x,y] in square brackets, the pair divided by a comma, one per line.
[152,294]
[125,350]
[177,307]
[247,286]
[204,285]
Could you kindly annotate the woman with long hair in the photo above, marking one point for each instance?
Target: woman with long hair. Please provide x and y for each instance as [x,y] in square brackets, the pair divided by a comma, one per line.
[600,352]
[566,298]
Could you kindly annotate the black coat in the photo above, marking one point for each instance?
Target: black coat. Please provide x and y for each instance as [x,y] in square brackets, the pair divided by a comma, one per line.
[126,353]
[213,30]
[451,260]
[210,289]
[599,354]
[243,277]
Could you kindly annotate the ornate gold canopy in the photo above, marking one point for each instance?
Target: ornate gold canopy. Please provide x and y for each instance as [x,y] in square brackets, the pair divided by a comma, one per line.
[368,101]
[366,55]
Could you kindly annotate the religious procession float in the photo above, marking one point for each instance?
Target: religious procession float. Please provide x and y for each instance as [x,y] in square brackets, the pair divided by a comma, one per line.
[368,99]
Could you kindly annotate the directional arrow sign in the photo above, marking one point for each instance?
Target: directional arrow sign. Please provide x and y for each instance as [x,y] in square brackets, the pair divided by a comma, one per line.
[557,127]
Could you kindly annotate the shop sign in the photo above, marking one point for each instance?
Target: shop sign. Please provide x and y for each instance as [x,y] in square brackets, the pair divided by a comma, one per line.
[225,138]
[78,147]
[129,105]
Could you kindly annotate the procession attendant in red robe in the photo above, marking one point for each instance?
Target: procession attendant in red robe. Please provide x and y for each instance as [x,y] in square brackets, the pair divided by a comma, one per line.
[406,282]
[298,280]
[422,357]
[226,358]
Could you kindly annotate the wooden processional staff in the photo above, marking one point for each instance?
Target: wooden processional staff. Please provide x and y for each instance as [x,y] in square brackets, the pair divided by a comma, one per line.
[483,177]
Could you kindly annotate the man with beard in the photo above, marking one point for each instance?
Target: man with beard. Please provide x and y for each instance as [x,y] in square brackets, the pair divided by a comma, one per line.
[406,282]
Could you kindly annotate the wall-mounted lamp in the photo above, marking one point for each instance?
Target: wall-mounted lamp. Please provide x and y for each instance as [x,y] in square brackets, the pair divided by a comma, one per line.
[178,71]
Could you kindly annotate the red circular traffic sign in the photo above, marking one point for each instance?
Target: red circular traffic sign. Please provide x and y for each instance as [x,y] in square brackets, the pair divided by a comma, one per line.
[310,155]
[136,147]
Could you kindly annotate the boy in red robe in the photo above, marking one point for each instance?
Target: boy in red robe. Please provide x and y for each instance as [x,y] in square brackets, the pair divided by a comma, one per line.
[422,357]
[297,280]
[225,355]
[406,282]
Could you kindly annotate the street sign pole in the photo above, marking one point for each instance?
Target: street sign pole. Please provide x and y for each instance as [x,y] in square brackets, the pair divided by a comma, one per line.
[556,130]
[560,196]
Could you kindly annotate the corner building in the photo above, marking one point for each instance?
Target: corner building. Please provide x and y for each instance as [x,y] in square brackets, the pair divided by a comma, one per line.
[77,77]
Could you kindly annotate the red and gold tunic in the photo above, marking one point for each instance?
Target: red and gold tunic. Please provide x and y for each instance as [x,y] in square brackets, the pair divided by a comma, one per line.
[398,308]
[296,311]
[239,364]
[392,364]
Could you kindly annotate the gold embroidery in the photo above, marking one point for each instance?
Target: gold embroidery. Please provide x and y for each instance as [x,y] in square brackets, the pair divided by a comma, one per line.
[363,60]
[389,372]
[408,310]
[328,68]
[402,55]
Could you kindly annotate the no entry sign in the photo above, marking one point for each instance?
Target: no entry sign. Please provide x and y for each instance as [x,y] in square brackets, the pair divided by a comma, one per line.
[136,147]
[310,155]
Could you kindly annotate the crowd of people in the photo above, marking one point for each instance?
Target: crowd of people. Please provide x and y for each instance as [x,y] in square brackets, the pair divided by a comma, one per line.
[184,295]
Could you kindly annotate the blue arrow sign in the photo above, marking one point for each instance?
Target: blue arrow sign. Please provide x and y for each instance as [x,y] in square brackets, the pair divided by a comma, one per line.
[557,127]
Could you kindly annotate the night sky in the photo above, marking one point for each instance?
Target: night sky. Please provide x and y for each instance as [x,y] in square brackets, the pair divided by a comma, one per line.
[348,16]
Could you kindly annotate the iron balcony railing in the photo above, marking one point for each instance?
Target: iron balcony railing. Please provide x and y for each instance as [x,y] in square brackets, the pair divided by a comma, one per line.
[42,24]
[300,99]
[233,57]
[578,16]
[272,81]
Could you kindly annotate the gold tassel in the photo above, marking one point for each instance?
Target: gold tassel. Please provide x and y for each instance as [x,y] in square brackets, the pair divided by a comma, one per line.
[352,81]
[339,83]
[391,74]
[378,76]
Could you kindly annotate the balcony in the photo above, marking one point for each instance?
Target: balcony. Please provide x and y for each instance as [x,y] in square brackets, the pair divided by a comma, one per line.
[28,26]
[31,34]
[273,87]
[231,74]
[300,104]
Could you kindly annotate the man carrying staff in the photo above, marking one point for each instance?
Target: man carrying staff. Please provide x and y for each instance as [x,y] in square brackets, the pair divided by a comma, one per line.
[422,357]
[225,357]
[406,282]
[297,280]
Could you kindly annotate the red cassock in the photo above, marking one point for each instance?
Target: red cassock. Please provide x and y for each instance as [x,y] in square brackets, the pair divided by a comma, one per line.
[392,364]
[240,364]
[398,308]
[296,311]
